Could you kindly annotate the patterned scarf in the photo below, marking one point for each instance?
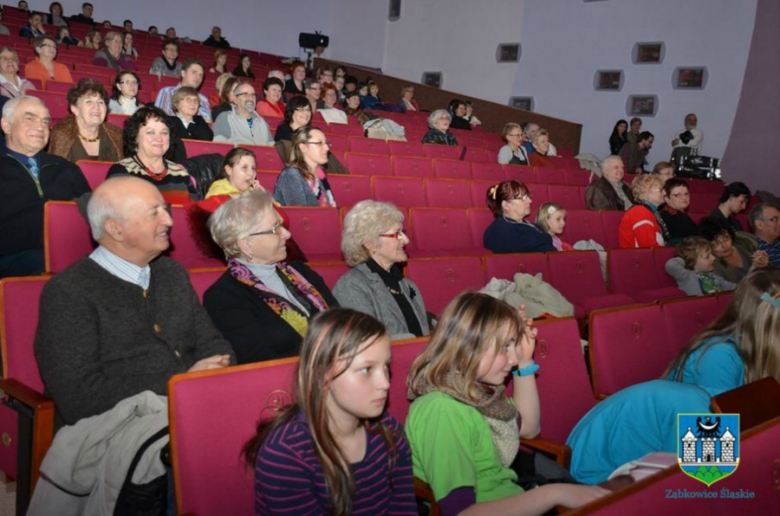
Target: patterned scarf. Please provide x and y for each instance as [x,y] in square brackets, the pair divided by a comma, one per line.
[653,208]
[298,286]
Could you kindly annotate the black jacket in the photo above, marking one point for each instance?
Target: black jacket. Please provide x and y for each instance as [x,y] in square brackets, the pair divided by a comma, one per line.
[211,42]
[252,328]
[204,168]
[22,199]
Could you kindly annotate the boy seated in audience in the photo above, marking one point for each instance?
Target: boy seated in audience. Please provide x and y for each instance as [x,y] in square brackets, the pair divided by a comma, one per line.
[693,266]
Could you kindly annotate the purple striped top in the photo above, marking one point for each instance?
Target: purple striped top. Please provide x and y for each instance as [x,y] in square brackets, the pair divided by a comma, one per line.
[289,477]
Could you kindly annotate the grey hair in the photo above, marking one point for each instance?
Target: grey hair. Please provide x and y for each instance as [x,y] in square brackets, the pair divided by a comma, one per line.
[235,220]
[609,159]
[110,35]
[757,213]
[541,132]
[436,115]
[100,208]
[10,107]
[529,126]
[365,222]
[9,49]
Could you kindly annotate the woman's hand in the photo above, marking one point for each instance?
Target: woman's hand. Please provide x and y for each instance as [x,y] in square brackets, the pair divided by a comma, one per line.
[255,185]
[527,343]
[760,260]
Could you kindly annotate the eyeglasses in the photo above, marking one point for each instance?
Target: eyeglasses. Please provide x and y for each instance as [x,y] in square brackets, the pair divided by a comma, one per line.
[524,197]
[246,94]
[10,59]
[48,45]
[129,83]
[515,135]
[319,144]
[273,231]
[769,219]
[683,195]
[398,235]
[304,110]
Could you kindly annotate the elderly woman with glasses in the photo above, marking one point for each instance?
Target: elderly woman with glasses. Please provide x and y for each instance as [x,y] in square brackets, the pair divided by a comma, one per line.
[513,153]
[373,244]
[510,203]
[11,85]
[44,68]
[642,225]
[676,201]
[111,53]
[261,304]
[304,182]
[439,123]
[735,257]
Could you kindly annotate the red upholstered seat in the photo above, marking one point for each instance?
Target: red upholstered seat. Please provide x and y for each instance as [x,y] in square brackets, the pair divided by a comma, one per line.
[661,255]
[406,149]
[55,101]
[567,196]
[339,142]
[266,158]
[539,196]
[441,279]
[478,155]
[404,353]
[369,164]
[94,171]
[367,145]
[550,176]
[350,190]
[183,248]
[267,179]
[611,221]
[505,266]
[202,279]
[584,225]
[451,169]
[441,232]
[401,191]
[685,318]
[317,232]
[479,189]
[633,272]
[705,202]
[433,150]
[576,177]
[479,220]
[197,147]
[450,193]
[488,171]
[411,166]
[521,173]
[66,235]
[330,271]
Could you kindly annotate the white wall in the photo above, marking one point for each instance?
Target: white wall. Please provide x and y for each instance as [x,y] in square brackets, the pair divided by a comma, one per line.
[358,32]
[566,41]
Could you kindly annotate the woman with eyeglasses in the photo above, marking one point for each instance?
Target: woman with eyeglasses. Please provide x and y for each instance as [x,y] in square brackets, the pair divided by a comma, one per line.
[262,304]
[676,200]
[44,67]
[11,85]
[513,153]
[735,257]
[510,203]
[297,114]
[124,100]
[304,182]
[373,244]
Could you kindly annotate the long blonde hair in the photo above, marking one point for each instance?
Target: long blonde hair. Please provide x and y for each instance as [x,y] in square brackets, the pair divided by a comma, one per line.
[752,320]
[470,325]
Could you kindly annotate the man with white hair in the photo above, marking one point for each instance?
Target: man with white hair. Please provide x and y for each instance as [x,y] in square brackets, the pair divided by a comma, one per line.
[242,124]
[530,131]
[28,178]
[609,192]
[691,136]
[764,219]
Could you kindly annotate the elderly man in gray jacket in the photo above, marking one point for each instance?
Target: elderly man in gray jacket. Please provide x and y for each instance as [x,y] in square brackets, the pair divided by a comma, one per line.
[242,124]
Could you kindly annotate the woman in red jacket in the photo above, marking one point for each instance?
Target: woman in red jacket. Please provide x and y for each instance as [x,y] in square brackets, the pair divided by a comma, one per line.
[642,226]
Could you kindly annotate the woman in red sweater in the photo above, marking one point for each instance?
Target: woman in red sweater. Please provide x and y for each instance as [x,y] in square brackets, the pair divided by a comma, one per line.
[642,226]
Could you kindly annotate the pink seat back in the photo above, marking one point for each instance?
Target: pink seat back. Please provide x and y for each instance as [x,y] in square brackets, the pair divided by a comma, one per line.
[183,248]
[627,346]
[202,279]
[19,299]
[330,271]
[94,171]
[56,102]
[567,196]
[559,353]
[577,275]
[441,279]
[583,225]
[266,158]
[688,317]
[477,154]
[479,189]
[704,202]
[550,176]
[630,271]
[433,150]
[405,149]
[197,147]
[404,353]
[367,145]
[369,164]
[268,180]
[316,230]
[214,479]
[489,171]
[479,220]
[401,191]
[448,193]
[611,221]
[539,196]
[576,177]
[661,255]
[66,235]
[439,228]
[451,169]
[338,142]
[505,266]
[350,190]
[412,166]
[521,173]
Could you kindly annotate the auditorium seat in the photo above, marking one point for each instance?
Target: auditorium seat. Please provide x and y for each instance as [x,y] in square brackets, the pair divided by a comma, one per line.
[404,353]
[627,346]
[401,191]
[584,225]
[687,317]
[266,158]
[479,220]
[567,196]
[56,102]
[538,193]
[117,120]
[448,193]
[348,189]
[317,231]
[577,276]
[479,189]
[58,87]
[550,176]
[451,169]
[661,255]
[704,202]
[94,171]
[183,248]
[267,180]
[66,236]
[633,272]
[202,279]
[576,177]
[724,299]
[406,149]
[441,279]
[610,219]
[412,166]
[339,142]
[197,147]
[433,150]
[505,266]
[488,171]
[477,154]
[368,164]
[367,145]
[330,271]
[521,173]
[441,232]
[756,403]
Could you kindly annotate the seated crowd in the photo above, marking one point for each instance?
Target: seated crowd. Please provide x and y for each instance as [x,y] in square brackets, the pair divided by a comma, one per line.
[118,324]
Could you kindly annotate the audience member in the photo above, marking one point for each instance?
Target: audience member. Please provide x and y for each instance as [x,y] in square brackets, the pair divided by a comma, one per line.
[324,75]
[739,347]
[187,123]
[192,76]
[765,222]
[167,65]
[350,84]
[262,304]
[634,155]
[470,116]
[618,137]
[513,153]
[541,144]
[733,259]
[693,268]
[609,192]
[551,217]
[439,132]
[464,432]
[107,24]
[295,84]
[370,98]
[111,54]
[147,138]
[129,53]
[22,6]
[64,37]
[237,176]
[54,16]
[664,170]
[214,99]
[272,104]
[92,40]
[676,201]
[244,67]
[124,296]
[34,27]
[642,226]
[304,182]
[407,102]
[352,103]
[733,200]
[335,450]
[510,203]
[125,94]
[152,30]
[331,112]
[11,85]
[216,39]
[297,114]
[85,134]
[44,68]
[278,74]
[530,131]
[457,109]
[227,98]
[635,126]
[4,31]
[220,62]
[127,25]
[170,33]
[690,137]
[30,177]
[373,244]
[313,93]
[243,124]
[86,14]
